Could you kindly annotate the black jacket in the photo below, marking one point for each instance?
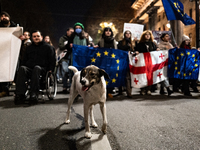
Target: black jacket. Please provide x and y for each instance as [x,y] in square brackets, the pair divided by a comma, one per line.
[125,47]
[42,55]
[142,47]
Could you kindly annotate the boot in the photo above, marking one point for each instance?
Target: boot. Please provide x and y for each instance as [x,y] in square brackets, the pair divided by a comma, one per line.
[169,91]
[162,92]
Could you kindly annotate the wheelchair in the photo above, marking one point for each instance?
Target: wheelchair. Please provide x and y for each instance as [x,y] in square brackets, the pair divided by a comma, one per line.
[48,86]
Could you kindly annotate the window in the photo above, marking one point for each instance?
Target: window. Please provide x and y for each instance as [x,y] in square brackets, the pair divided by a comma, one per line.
[158,18]
[190,12]
[163,15]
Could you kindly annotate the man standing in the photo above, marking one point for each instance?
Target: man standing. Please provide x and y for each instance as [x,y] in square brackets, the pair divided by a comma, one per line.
[38,59]
[5,22]
[64,46]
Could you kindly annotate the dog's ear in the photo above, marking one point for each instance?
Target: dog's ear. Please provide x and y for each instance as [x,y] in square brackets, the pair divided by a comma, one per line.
[83,72]
[103,73]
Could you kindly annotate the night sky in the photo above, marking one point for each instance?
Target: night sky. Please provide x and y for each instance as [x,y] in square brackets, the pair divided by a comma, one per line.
[66,13]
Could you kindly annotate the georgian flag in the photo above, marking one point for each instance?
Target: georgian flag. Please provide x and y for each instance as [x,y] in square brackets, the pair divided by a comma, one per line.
[148,68]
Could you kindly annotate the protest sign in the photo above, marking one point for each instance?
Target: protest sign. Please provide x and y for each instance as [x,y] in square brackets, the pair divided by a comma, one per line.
[136,29]
[9,51]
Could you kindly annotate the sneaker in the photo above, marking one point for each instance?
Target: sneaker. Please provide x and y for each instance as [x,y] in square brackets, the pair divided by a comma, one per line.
[148,92]
[3,94]
[110,95]
[142,92]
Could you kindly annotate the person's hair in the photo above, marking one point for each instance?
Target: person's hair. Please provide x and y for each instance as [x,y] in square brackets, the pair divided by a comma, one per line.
[34,31]
[163,35]
[142,38]
[107,29]
[5,13]
[28,33]
[49,40]
[183,44]
[124,39]
[70,28]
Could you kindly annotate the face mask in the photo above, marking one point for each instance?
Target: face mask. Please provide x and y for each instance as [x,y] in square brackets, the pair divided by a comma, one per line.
[78,31]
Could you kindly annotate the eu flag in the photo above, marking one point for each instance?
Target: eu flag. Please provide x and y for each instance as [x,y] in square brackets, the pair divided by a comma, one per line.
[183,63]
[113,61]
[175,11]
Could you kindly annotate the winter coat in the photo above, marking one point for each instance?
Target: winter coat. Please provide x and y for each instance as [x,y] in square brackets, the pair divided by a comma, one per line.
[164,45]
[126,47]
[108,43]
[145,47]
[42,55]
[64,45]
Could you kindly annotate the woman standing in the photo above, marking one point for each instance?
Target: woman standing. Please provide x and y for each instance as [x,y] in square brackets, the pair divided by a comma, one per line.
[186,83]
[146,44]
[108,41]
[126,44]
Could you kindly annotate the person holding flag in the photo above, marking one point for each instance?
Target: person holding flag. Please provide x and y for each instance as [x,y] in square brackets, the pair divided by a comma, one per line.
[146,44]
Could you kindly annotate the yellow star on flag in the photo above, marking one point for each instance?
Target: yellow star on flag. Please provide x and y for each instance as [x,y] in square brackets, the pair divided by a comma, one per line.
[105,53]
[98,54]
[193,55]
[190,73]
[113,80]
[176,68]
[116,74]
[177,58]
[118,68]
[182,54]
[117,61]
[179,72]
[188,53]
[184,74]
[176,63]
[196,65]
[195,59]
[193,70]
[93,59]
[107,82]
[113,55]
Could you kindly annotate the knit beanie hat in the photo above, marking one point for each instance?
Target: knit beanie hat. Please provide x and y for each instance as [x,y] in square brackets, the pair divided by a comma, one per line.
[185,37]
[5,13]
[79,24]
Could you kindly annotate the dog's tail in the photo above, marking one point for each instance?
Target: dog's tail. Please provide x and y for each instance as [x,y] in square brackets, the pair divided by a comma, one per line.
[74,69]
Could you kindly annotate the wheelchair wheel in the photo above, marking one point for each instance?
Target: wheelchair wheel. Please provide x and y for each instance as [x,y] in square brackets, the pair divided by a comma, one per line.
[51,85]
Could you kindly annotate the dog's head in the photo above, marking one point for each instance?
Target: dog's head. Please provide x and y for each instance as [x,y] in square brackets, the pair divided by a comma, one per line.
[90,76]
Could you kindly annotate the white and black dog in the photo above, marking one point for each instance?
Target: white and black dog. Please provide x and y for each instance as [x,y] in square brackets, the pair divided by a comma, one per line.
[91,85]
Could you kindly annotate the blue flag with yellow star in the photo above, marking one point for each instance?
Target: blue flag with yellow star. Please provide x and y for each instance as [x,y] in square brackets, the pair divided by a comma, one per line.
[113,61]
[183,63]
[175,11]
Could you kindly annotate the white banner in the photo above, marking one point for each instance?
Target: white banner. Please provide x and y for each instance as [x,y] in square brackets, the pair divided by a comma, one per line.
[148,68]
[136,29]
[9,51]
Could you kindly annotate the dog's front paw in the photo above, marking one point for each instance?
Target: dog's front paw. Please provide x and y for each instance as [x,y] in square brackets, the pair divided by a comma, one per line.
[88,135]
[104,128]
[94,125]
[67,121]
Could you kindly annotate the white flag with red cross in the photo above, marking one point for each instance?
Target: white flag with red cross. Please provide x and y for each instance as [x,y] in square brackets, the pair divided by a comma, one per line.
[148,68]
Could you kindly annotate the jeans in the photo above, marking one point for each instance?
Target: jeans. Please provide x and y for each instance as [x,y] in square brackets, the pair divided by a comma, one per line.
[67,74]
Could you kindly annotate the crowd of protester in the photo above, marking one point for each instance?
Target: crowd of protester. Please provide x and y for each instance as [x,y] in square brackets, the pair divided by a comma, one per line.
[32,62]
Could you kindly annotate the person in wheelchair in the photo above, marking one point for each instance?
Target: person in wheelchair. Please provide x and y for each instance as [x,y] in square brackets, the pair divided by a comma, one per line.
[38,59]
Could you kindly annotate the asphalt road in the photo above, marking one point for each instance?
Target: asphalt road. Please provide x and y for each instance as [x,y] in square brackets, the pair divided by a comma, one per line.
[145,122]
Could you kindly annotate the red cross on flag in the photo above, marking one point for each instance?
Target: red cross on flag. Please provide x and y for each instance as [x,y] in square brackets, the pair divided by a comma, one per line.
[148,68]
